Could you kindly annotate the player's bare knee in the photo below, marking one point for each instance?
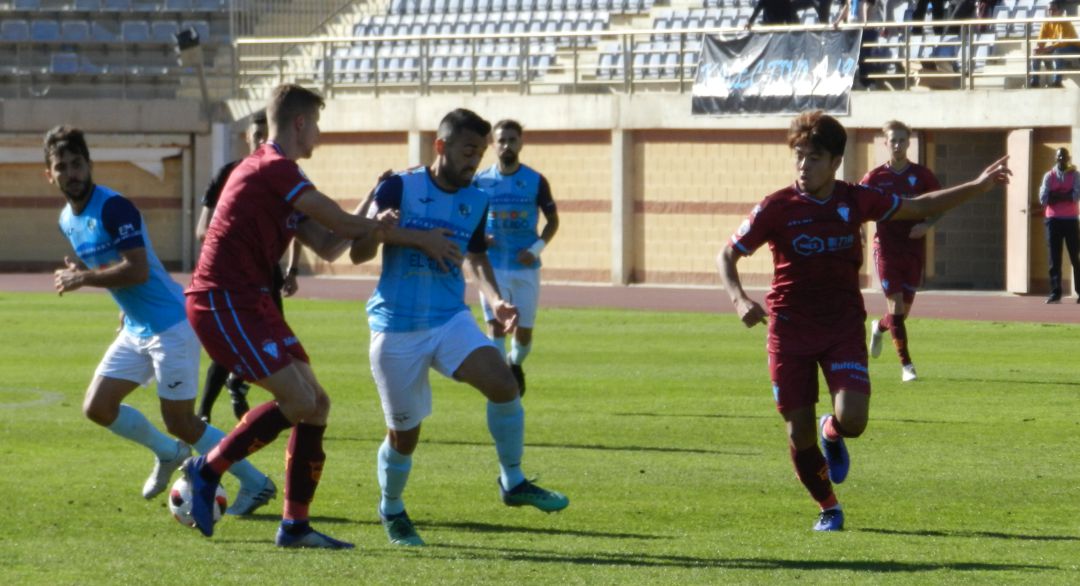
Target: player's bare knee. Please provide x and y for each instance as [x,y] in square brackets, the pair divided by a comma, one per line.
[404,441]
[852,426]
[299,407]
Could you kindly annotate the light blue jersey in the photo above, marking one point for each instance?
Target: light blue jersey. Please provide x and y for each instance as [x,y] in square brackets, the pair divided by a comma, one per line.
[413,293]
[515,202]
[108,225]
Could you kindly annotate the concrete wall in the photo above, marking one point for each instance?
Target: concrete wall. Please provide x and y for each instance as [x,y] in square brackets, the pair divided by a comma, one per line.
[647,192]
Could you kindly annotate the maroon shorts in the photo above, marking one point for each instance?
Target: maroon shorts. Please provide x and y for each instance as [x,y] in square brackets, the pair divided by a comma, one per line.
[795,377]
[899,273]
[249,337]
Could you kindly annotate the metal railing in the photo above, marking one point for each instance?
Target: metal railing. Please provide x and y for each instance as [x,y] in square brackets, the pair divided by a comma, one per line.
[905,54]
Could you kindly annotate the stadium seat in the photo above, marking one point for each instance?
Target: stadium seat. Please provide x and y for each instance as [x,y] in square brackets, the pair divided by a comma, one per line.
[64,64]
[88,5]
[14,30]
[117,5]
[163,31]
[424,7]
[75,31]
[44,30]
[135,31]
[101,33]
[27,5]
[178,5]
[208,5]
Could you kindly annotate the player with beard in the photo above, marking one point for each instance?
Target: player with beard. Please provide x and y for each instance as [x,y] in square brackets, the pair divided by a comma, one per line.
[155,342]
[515,193]
[419,320]
[815,308]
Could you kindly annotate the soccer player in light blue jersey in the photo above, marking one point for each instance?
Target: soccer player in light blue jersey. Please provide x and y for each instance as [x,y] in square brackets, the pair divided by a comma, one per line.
[106,231]
[419,320]
[515,193]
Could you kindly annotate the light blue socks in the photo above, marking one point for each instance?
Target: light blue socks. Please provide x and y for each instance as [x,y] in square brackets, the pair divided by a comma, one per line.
[394,470]
[506,422]
[133,425]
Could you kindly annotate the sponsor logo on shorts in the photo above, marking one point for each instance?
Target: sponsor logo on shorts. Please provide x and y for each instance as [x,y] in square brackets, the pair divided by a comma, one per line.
[848,365]
[175,384]
[400,417]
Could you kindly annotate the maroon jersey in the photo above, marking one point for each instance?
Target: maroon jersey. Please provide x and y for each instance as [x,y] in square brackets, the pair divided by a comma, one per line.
[817,252]
[253,224]
[894,237]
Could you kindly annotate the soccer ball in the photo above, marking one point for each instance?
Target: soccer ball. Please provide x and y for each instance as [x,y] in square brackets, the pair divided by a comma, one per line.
[180,502]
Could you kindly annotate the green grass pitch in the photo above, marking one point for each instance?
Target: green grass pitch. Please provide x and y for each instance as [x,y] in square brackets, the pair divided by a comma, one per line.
[659,426]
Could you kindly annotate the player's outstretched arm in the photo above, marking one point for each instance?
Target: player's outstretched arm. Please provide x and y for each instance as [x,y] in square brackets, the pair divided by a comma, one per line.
[327,212]
[943,200]
[133,269]
[478,265]
[750,312]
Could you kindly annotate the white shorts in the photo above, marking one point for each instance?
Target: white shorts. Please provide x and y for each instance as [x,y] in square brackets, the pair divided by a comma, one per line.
[520,287]
[171,358]
[400,363]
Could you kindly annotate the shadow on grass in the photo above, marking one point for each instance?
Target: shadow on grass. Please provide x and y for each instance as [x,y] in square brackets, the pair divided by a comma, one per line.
[970,534]
[698,415]
[660,449]
[767,564]
[492,528]
[1008,381]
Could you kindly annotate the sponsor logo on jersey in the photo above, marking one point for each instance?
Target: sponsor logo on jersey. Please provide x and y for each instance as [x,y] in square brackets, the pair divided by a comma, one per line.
[807,245]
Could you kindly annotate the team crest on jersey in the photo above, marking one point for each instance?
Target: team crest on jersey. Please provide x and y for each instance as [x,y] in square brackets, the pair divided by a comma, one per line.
[270,347]
[520,184]
[911,180]
[91,224]
[844,212]
[464,209]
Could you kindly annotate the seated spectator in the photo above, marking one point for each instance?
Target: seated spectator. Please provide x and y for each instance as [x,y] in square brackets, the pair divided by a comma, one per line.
[1057,39]
[937,12]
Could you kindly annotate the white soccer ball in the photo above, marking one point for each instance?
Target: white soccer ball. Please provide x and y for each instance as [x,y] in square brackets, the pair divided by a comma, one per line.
[180,502]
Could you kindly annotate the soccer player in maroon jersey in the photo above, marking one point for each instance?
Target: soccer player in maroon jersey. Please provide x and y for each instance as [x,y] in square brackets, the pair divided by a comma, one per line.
[815,309]
[899,246]
[266,201]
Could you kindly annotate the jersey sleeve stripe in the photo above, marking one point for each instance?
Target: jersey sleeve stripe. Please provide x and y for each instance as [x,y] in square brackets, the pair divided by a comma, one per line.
[296,190]
[892,210]
[738,246]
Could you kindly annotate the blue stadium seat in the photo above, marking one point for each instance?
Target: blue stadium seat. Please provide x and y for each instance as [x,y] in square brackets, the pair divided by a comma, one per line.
[117,5]
[88,5]
[75,31]
[15,30]
[27,5]
[101,33]
[44,30]
[178,5]
[64,64]
[135,31]
[163,31]
[208,5]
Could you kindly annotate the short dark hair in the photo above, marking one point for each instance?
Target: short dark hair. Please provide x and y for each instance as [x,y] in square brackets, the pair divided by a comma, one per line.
[462,119]
[62,139]
[259,117]
[510,124]
[820,131]
[289,101]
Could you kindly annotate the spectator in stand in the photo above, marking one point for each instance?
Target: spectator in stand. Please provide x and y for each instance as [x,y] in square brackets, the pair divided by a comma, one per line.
[1056,39]
[937,12]
[1058,195]
[775,12]
[859,12]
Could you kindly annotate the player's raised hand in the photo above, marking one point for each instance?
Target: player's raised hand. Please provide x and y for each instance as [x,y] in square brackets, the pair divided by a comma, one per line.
[507,314]
[750,312]
[437,244]
[996,174]
[68,278]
